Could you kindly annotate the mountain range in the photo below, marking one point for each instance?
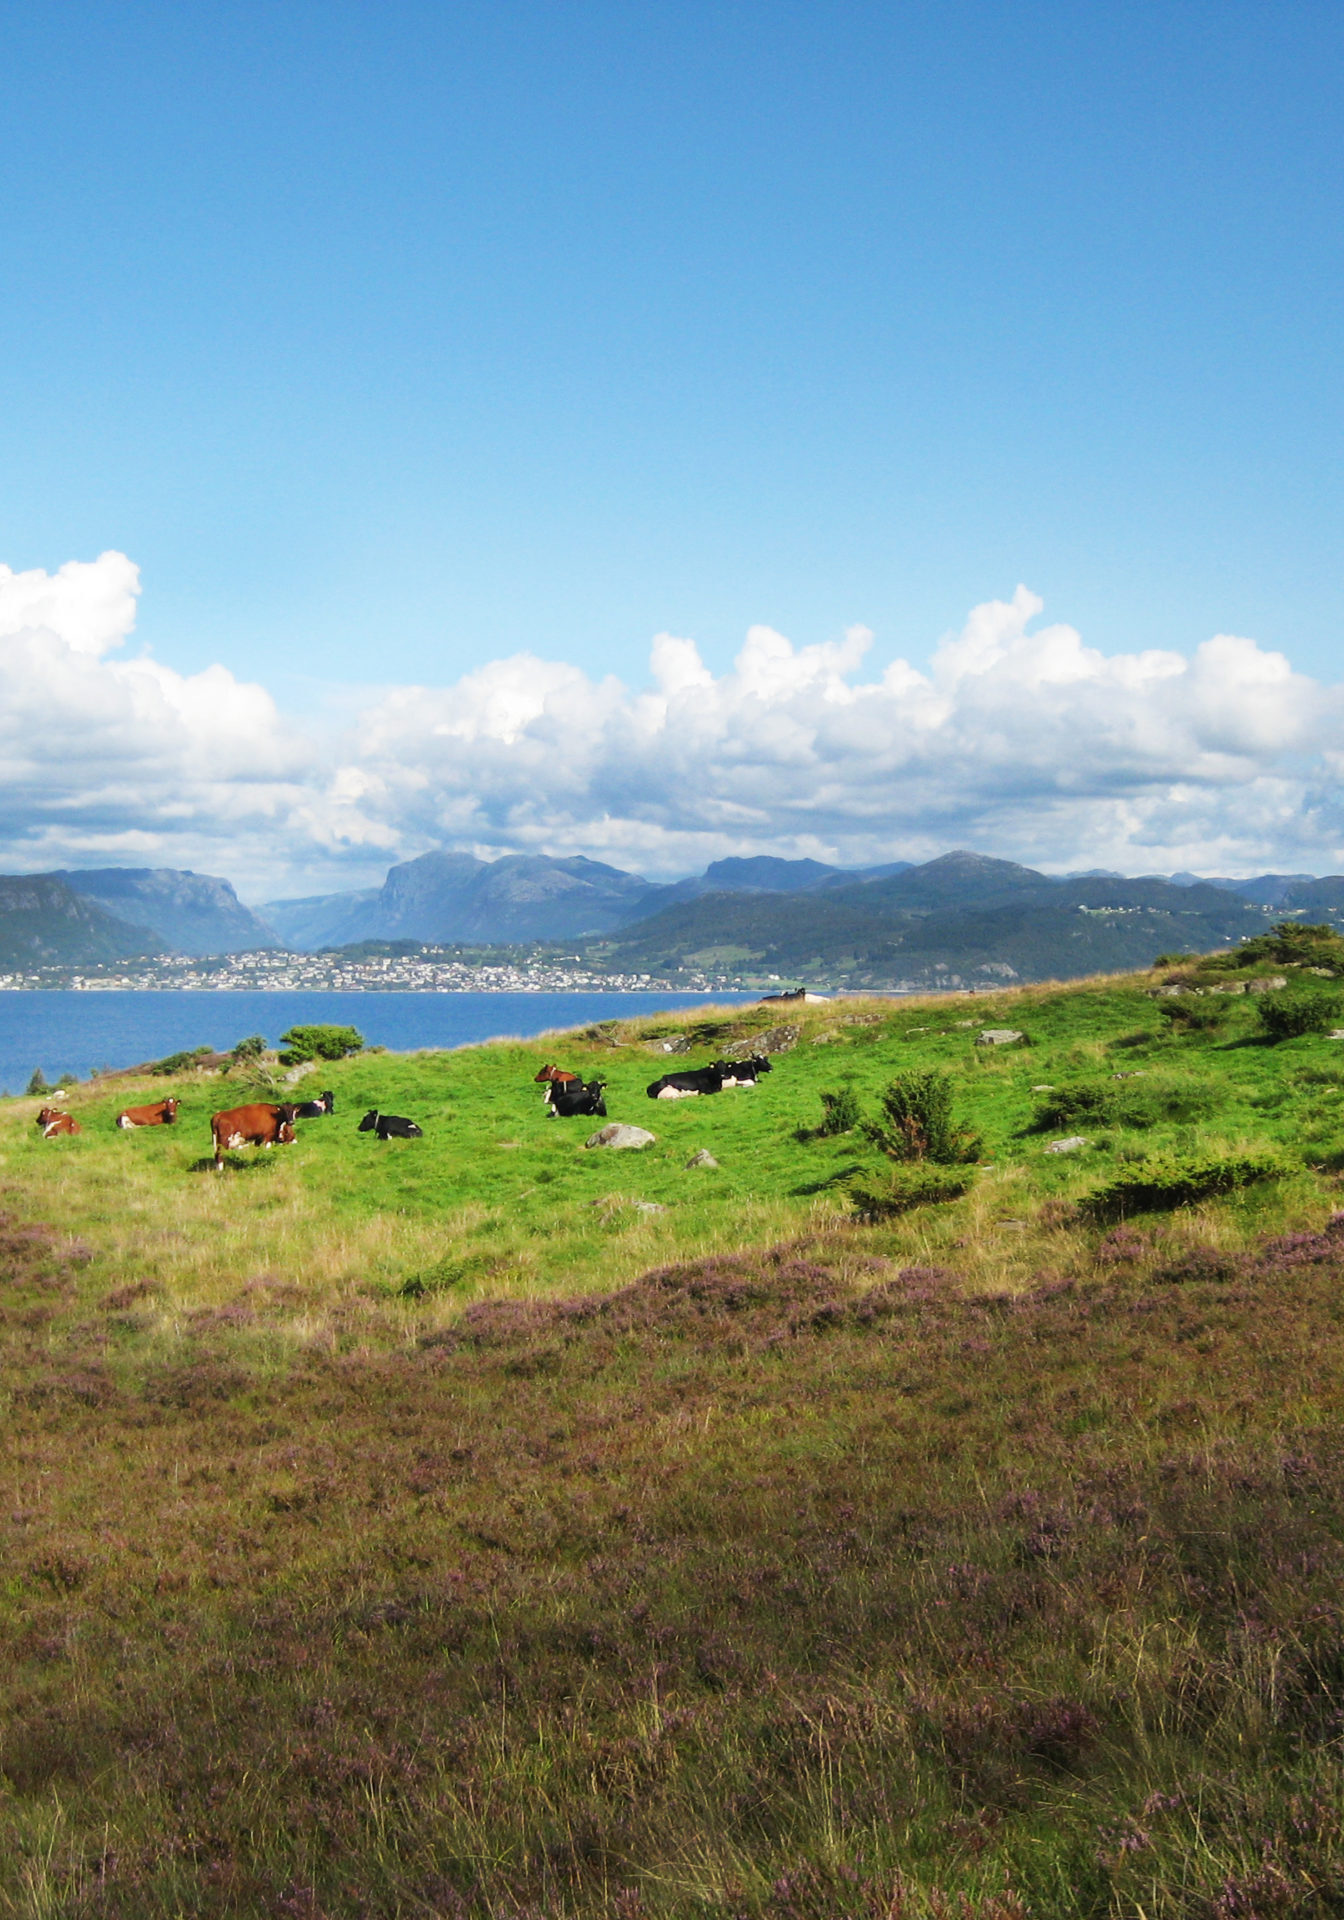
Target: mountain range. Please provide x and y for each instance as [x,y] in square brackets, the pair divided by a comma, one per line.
[960,919]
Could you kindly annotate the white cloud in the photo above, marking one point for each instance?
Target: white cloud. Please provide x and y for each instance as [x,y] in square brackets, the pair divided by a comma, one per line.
[1019,740]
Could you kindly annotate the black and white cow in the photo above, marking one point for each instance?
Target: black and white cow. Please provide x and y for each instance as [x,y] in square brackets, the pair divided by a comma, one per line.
[567,1103]
[389,1126]
[683,1086]
[314,1109]
[744,1073]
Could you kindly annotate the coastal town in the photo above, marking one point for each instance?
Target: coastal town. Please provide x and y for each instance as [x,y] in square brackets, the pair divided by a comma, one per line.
[422,969]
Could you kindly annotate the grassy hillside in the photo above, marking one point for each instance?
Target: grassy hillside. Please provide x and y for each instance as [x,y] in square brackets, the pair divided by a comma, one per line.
[436,1527]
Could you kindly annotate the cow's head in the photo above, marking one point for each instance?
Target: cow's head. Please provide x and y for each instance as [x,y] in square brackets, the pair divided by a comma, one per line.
[169,1111]
[286,1136]
[369,1122]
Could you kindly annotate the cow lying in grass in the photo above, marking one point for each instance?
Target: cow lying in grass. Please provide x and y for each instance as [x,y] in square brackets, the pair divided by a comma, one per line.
[684,1086]
[567,1102]
[314,1109]
[52,1121]
[389,1126]
[162,1114]
[743,1073]
[256,1126]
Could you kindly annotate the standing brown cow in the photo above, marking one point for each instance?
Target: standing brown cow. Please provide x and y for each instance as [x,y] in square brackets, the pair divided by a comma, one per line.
[257,1126]
[52,1121]
[161,1114]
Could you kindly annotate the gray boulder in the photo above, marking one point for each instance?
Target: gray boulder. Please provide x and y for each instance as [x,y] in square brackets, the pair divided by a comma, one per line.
[619,1135]
[998,1037]
[702,1159]
[1071,1145]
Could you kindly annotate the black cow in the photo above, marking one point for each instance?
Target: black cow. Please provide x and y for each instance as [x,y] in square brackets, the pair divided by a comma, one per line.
[744,1073]
[681,1086]
[389,1126]
[314,1109]
[566,1103]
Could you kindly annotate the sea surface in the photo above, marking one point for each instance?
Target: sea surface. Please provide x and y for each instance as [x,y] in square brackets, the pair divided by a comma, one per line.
[83,1033]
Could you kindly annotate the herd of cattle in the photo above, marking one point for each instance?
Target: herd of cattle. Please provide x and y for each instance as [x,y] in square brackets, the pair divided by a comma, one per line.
[568,1095]
[264,1124]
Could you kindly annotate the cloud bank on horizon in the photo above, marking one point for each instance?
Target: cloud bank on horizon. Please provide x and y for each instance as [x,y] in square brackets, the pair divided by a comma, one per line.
[1019,741]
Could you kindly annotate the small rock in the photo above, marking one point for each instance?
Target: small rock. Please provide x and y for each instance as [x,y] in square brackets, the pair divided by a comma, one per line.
[647,1206]
[1131,1073]
[1269,983]
[997,1036]
[1045,1086]
[963,1023]
[702,1159]
[619,1135]
[1336,1034]
[1071,1145]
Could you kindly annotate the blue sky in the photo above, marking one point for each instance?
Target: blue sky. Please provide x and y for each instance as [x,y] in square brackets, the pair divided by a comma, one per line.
[393,341]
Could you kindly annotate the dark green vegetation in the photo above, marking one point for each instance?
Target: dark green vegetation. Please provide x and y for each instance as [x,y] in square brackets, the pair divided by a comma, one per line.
[301,1044]
[433,1528]
[961,919]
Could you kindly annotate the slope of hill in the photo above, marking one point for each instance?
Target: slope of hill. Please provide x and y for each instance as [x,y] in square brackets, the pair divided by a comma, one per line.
[44,921]
[191,912]
[957,920]
[631,1538]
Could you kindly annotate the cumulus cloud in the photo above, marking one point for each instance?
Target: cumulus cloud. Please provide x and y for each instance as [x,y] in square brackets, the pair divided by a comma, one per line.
[1018,740]
[107,761]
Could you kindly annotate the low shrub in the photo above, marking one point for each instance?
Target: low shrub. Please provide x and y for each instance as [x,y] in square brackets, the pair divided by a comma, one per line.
[918,1122]
[840,1111]
[181,1062]
[1285,1016]
[914,1184]
[1192,1015]
[1175,1180]
[1127,1103]
[319,1043]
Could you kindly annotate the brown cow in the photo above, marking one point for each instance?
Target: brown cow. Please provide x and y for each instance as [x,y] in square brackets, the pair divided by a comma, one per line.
[52,1121]
[161,1114]
[556,1077]
[251,1127]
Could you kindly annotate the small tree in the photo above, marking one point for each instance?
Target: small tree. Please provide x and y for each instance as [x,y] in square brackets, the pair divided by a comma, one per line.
[918,1123]
[319,1043]
[38,1083]
[250,1049]
[840,1112]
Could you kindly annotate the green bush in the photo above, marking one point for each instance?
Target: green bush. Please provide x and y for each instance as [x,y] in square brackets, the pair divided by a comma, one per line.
[1193,1016]
[1132,1102]
[918,1123]
[180,1062]
[840,1111]
[250,1049]
[319,1043]
[1284,1016]
[1290,944]
[914,1184]
[1176,1180]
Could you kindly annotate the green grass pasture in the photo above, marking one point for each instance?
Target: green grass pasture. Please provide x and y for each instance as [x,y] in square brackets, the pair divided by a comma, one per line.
[432,1528]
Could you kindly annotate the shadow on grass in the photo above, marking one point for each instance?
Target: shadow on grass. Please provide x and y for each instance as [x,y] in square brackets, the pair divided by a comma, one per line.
[831,1180]
[258,1163]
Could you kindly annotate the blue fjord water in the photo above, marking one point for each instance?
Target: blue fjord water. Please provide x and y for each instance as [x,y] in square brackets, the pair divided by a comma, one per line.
[80,1033]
